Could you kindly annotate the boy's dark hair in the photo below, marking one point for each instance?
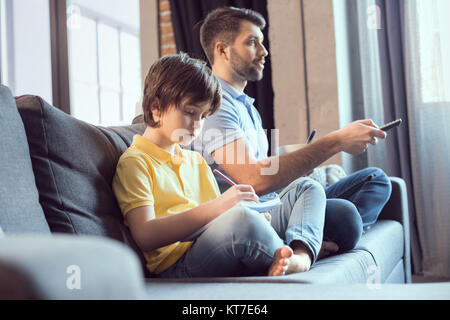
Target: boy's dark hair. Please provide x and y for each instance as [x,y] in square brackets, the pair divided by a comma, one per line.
[176,79]
[223,24]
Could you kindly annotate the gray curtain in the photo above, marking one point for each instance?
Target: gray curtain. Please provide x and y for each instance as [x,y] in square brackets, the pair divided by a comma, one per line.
[393,62]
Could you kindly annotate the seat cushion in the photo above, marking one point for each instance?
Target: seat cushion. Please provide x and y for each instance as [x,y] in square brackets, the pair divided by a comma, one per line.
[74,164]
[20,211]
[375,260]
[384,241]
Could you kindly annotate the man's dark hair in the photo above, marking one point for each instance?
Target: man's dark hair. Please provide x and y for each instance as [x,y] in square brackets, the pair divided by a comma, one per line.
[223,24]
[176,79]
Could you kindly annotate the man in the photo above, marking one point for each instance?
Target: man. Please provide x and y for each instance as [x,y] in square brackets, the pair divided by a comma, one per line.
[233,139]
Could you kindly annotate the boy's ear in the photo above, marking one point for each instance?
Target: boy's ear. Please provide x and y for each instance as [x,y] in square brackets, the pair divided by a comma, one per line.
[155,109]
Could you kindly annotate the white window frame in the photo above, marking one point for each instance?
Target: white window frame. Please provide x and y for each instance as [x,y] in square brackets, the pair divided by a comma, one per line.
[120,27]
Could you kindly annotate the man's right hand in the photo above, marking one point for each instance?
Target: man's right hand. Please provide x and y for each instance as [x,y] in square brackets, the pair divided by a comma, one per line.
[356,136]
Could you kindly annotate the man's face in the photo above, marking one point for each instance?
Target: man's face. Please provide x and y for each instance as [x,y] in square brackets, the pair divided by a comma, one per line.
[247,53]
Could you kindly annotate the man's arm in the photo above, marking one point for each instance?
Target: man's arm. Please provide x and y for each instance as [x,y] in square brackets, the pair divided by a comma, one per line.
[238,163]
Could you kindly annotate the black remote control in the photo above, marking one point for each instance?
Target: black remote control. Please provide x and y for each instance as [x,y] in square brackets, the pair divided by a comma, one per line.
[391,125]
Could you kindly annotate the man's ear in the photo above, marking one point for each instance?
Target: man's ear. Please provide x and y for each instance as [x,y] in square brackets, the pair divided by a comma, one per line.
[221,50]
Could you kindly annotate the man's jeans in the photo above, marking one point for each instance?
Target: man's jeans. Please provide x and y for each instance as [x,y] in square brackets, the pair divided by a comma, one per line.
[242,242]
[353,204]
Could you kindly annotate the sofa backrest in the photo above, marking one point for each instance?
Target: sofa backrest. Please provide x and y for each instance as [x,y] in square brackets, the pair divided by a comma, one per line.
[74,163]
[20,211]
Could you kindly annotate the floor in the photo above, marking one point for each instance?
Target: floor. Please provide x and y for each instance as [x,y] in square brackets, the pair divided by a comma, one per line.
[423,279]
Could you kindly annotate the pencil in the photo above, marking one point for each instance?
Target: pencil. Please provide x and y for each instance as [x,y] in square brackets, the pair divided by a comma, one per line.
[231,182]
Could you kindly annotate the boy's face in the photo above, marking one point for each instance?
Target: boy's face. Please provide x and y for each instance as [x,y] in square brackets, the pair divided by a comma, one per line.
[182,125]
[247,53]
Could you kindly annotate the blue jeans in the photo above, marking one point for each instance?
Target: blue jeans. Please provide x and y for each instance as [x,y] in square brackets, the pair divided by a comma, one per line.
[353,204]
[242,242]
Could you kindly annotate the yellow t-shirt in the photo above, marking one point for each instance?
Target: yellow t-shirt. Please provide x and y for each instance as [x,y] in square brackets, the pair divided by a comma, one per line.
[147,175]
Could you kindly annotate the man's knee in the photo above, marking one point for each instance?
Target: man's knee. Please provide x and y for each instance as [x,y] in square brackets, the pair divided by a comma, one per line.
[343,224]
[381,179]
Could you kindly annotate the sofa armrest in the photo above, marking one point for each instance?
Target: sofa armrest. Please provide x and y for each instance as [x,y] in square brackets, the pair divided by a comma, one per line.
[397,206]
[397,209]
[68,267]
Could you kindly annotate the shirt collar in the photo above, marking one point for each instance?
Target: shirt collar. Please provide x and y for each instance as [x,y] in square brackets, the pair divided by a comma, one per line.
[157,152]
[234,93]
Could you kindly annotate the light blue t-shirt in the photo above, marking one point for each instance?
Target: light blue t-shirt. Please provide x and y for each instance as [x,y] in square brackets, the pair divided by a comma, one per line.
[236,118]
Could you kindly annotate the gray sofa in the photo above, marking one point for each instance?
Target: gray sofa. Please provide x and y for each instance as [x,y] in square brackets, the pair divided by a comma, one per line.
[62,235]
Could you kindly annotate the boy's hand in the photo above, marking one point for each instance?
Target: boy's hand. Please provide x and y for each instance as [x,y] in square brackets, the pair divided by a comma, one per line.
[236,194]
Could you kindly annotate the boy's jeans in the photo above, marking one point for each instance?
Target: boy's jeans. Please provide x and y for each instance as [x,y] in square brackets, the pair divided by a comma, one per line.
[242,242]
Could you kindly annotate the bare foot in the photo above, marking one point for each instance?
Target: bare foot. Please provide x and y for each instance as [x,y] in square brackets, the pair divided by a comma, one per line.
[299,262]
[302,258]
[281,260]
[327,249]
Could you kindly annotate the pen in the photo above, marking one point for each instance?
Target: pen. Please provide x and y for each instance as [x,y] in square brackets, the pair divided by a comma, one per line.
[231,182]
[311,136]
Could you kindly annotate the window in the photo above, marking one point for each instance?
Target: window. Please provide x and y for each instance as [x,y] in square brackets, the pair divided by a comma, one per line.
[3,45]
[104,60]
[433,49]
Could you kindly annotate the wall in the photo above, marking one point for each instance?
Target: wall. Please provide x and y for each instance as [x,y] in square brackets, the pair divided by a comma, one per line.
[303,57]
[149,35]
[304,73]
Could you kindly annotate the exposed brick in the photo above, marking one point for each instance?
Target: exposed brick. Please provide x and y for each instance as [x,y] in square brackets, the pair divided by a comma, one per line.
[166,36]
[166,28]
[164,5]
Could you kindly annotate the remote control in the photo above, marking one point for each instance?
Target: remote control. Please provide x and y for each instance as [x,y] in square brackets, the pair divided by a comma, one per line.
[391,125]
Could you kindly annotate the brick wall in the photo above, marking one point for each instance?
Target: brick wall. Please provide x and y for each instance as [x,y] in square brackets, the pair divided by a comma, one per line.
[166,37]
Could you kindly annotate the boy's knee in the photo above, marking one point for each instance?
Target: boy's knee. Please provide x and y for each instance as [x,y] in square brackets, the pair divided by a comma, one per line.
[308,184]
[251,225]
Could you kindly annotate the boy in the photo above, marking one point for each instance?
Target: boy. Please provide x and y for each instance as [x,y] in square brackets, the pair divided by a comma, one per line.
[167,193]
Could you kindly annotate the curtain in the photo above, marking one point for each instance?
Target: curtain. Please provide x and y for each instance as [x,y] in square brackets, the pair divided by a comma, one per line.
[187,17]
[397,58]
[427,54]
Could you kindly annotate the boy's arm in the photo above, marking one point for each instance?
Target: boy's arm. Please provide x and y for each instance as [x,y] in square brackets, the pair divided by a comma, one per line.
[151,233]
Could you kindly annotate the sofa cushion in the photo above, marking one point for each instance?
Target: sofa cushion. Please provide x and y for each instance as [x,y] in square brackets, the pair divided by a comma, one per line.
[20,211]
[384,241]
[74,164]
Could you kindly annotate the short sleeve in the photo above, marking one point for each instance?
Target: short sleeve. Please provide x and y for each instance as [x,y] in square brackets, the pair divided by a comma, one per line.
[132,184]
[221,128]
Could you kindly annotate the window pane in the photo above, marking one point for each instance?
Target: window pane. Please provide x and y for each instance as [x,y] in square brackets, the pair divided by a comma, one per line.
[131,75]
[131,107]
[108,53]
[82,46]
[434,50]
[104,53]
[3,42]
[84,102]
[131,62]
[110,107]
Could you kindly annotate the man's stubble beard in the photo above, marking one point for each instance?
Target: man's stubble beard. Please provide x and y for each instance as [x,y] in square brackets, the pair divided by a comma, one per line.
[244,69]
